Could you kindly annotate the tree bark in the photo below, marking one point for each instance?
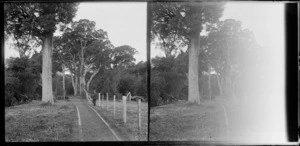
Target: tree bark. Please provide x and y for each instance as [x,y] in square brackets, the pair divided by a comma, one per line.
[82,70]
[220,85]
[64,85]
[209,86]
[74,79]
[193,89]
[47,92]
[74,85]
[91,78]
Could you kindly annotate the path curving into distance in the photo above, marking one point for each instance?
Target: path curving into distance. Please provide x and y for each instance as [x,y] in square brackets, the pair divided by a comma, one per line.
[92,125]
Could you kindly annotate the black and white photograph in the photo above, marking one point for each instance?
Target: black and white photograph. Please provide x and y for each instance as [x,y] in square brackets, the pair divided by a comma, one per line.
[76,72]
[217,72]
[150,72]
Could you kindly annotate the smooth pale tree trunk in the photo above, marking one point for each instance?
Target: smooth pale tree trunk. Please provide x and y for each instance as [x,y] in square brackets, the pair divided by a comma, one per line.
[80,85]
[83,83]
[220,85]
[75,84]
[91,78]
[86,93]
[209,86]
[193,89]
[64,85]
[82,71]
[47,92]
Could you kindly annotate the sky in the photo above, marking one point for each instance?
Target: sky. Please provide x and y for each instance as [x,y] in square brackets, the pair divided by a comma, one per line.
[125,23]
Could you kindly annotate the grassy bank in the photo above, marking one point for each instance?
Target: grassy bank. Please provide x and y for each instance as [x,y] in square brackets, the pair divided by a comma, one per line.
[183,121]
[36,121]
[128,131]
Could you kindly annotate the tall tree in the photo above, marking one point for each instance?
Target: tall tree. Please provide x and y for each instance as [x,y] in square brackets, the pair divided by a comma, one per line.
[230,49]
[39,20]
[186,20]
[98,59]
[89,51]
[61,58]
[123,56]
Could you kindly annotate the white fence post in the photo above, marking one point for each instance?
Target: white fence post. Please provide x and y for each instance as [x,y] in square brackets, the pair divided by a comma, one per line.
[139,115]
[124,109]
[99,95]
[114,106]
[102,99]
[107,101]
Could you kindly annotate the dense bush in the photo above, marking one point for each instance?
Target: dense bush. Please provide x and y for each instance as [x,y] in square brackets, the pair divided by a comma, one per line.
[126,84]
[12,85]
[21,80]
[168,79]
[157,85]
[119,81]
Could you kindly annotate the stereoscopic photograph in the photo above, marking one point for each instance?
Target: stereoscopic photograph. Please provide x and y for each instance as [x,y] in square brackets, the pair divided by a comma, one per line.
[75,72]
[147,73]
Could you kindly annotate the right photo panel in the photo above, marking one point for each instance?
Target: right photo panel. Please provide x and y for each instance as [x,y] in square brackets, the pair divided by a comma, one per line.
[217,72]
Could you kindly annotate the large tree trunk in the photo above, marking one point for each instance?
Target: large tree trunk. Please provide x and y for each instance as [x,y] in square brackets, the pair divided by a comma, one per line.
[82,71]
[209,85]
[83,83]
[74,79]
[220,85]
[91,78]
[193,90]
[80,85]
[47,92]
[64,85]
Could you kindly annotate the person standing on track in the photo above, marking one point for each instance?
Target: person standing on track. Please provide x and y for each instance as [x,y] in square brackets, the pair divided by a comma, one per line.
[94,97]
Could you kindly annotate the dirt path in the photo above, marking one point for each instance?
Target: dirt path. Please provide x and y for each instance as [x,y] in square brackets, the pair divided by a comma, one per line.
[92,126]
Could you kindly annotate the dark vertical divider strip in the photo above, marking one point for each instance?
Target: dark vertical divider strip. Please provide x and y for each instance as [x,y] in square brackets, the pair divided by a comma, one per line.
[291,39]
[2,64]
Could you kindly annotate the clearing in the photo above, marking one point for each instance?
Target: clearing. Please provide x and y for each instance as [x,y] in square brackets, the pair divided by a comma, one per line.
[36,121]
[182,121]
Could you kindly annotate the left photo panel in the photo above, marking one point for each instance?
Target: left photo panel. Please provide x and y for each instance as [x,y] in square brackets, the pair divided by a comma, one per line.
[75,71]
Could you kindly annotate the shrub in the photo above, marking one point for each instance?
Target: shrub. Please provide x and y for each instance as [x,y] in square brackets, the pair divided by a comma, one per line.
[126,84]
[157,84]
[12,85]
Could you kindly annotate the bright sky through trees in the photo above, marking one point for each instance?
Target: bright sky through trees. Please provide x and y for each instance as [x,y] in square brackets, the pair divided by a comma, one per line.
[264,19]
[126,23]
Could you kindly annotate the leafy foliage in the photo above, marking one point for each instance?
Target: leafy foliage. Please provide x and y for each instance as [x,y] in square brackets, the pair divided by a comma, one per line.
[174,22]
[37,19]
[21,80]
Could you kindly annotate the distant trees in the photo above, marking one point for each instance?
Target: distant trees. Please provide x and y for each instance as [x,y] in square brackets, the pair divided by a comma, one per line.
[88,54]
[231,51]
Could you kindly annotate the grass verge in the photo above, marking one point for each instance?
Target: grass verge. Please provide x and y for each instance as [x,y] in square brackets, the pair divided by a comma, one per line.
[128,131]
[183,121]
[37,121]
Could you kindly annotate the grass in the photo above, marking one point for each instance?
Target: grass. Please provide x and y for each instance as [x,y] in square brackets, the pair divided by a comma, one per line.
[39,122]
[128,131]
[183,121]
